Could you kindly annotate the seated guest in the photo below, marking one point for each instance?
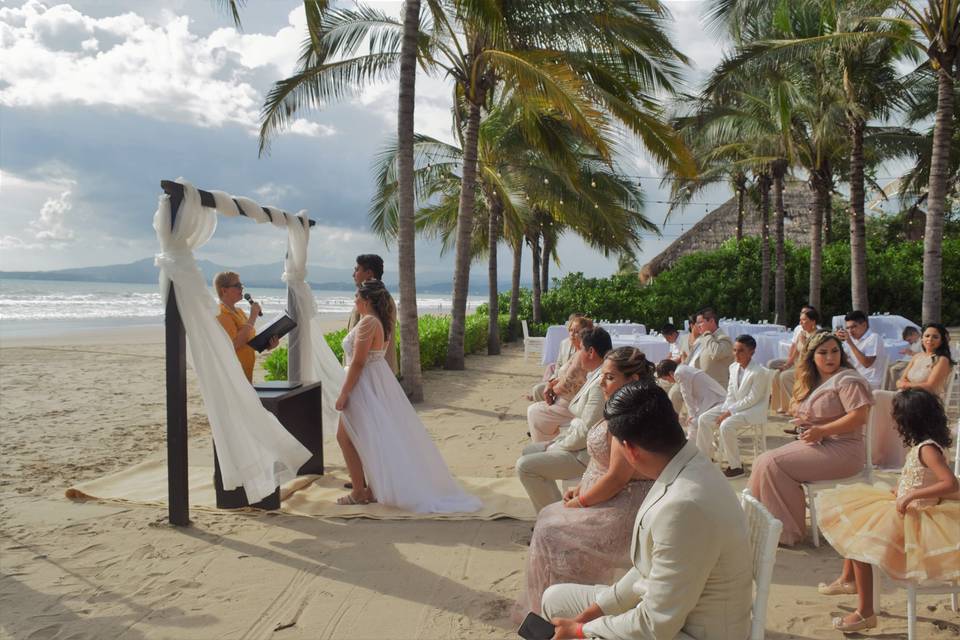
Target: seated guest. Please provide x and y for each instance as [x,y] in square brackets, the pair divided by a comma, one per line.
[543,463]
[785,370]
[687,347]
[863,346]
[930,368]
[568,350]
[910,335]
[745,404]
[699,392]
[545,418]
[672,336]
[713,351]
[692,567]
[833,401]
[586,536]
[235,322]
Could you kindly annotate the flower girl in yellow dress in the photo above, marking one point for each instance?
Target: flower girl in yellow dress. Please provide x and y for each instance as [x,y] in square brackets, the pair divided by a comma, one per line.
[912,534]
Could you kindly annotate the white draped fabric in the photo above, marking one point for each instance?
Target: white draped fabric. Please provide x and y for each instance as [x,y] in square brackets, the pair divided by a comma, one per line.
[254,449]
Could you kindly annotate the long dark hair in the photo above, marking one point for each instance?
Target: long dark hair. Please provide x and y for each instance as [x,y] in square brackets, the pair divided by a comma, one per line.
[944,349]
[920,416]
[381,304]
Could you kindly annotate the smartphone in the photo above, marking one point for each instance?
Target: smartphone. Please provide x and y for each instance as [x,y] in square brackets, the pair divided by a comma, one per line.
[534,627]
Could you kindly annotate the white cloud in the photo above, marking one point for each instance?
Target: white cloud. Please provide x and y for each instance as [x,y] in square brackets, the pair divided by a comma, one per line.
[51,227]
[56,55]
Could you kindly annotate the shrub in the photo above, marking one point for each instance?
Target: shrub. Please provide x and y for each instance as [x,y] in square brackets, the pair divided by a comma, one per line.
[276,364]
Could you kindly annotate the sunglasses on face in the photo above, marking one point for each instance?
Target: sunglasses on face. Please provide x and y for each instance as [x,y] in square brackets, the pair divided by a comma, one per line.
[238,285]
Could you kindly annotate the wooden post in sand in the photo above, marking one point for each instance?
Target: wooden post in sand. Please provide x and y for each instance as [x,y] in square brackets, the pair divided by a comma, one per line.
[176,339]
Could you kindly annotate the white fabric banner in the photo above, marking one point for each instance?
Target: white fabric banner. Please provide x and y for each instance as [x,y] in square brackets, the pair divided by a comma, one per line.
[254,449]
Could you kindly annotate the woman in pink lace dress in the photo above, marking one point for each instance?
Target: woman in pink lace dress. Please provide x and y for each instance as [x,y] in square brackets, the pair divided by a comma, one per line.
[585,537]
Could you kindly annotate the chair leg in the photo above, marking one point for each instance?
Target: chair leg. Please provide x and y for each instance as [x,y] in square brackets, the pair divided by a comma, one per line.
[814,529]
[875,573]
[954,604]
[911,612]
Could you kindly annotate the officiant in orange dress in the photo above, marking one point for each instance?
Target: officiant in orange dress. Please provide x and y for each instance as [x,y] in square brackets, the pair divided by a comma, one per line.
[235,322]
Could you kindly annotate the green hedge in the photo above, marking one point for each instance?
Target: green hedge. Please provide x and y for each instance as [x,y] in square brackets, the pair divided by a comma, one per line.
[729,280]
[434,331]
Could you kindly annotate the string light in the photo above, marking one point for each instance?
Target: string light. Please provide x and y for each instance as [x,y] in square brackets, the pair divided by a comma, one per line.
[546,181]
[593,183]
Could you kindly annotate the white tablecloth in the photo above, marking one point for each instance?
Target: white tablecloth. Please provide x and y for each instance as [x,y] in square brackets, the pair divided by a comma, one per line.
[558,332]
[656,348]
[734,328]
[889,327]
[768,346]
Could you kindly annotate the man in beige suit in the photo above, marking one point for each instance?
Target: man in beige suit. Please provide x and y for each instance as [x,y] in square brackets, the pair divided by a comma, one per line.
[566,457]
[713,350]
[746,403]
[370,267]
[692,575]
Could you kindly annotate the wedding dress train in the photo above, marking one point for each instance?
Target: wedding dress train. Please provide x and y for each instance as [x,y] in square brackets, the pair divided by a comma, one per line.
[402,466]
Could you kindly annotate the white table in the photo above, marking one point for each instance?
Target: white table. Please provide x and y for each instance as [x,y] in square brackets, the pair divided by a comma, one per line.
[558,332]
[768,346]
[889,327]
[655,348]
[734,328]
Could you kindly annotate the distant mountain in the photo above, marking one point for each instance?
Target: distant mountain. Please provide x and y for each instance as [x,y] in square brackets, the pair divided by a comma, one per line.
[257,275]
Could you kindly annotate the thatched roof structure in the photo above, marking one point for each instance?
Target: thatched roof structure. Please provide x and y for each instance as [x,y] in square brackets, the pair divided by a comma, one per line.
[720,225]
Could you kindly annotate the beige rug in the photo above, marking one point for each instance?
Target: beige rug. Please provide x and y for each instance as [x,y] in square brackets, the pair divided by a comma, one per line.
[315,496]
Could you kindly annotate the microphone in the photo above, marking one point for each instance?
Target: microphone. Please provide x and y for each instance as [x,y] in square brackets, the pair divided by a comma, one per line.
[249,299]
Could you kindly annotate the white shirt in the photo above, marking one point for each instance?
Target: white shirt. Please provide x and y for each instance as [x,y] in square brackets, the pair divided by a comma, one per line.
[869,345]
[700,392]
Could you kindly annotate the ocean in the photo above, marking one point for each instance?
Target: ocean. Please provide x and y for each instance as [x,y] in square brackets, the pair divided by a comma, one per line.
[31,308]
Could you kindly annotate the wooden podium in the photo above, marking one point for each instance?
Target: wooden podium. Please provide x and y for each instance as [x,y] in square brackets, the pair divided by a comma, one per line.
[299,411]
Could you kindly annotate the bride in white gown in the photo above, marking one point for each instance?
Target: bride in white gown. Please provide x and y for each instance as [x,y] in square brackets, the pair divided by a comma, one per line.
[388,452]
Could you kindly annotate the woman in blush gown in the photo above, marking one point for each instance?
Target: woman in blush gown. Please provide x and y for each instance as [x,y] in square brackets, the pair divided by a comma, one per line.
[390,456]
[586,536]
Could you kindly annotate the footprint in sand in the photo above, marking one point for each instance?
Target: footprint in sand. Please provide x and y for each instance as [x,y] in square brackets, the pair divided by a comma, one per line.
[45,633]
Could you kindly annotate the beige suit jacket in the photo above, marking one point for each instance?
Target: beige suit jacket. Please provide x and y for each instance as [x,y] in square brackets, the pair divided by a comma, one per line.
[692,570]
[715,355]
[587,409]
[391,354]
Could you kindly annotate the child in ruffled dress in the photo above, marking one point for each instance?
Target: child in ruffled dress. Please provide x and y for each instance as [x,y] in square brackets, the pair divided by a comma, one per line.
[912,534]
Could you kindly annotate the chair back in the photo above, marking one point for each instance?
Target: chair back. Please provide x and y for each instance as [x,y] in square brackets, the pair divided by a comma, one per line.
[526,331]
[868,446]
[764,532]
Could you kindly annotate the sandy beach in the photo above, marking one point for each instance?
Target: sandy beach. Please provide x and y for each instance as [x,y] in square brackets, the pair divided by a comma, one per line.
[80,406]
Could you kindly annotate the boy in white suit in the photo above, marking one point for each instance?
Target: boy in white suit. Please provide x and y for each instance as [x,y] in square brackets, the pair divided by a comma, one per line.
[692,569]
[746,403]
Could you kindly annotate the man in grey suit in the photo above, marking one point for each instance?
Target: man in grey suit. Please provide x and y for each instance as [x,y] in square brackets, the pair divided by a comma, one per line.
[565,457]
[713,350]
[370,267]
[692,567]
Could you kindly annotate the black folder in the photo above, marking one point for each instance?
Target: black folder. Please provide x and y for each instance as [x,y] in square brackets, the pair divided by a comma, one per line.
[279,326]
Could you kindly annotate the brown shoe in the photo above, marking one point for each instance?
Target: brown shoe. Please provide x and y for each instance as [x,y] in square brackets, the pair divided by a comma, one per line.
[793,431]
[733,472]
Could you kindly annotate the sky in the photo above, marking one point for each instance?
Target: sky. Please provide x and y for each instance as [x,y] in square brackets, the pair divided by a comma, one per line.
[101,99]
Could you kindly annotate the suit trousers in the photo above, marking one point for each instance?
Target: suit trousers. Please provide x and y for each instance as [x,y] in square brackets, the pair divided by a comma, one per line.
[730,447]
[539,470]
[568,600]
[545,419]
[781,388]
[676,397]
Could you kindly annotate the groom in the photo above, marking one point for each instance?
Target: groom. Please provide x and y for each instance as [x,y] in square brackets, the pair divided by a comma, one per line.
[370,267]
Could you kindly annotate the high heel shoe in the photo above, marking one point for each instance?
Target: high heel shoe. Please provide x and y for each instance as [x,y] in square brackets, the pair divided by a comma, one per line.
[837,588]
[857,625]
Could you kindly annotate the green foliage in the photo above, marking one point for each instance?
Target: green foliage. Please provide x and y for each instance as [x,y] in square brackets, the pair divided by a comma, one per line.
[729,280]
[276,364]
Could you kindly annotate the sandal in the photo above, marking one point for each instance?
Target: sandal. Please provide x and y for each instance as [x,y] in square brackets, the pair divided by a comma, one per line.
[858,625]
[348,500]
[837,588]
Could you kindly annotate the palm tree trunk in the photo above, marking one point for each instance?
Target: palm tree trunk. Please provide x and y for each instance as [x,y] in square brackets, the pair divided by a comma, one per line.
[493,300]
[816,241]
[461,275]
[765,183]
[515,288]
[409,325]
[937,190]
[545,263]
[858,225]
[741,194]
[535,251]
[779,279]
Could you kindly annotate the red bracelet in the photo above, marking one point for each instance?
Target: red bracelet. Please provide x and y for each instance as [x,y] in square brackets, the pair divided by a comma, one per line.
[580,631]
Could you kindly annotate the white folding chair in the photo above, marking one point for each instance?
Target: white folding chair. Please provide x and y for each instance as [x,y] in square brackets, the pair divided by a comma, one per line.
[951,396]
[531,345]
[811,488]
[764,531]
[926,589]
[757,430]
